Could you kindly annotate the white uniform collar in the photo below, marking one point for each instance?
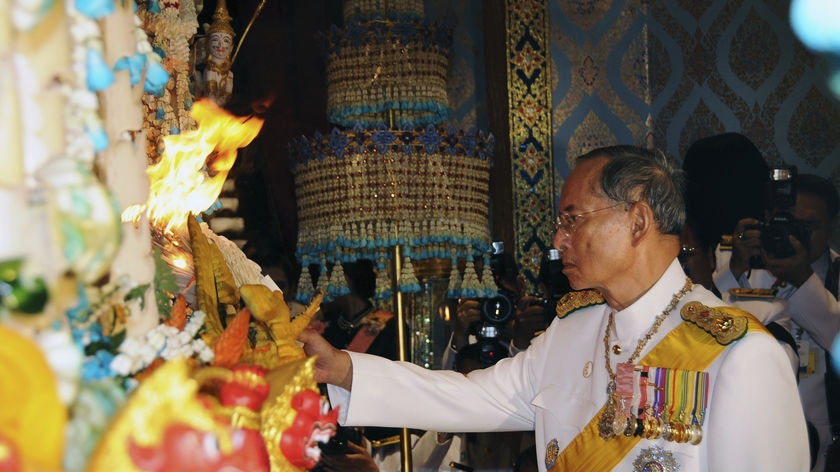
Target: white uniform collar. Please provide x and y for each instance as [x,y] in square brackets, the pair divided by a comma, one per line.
[638,317]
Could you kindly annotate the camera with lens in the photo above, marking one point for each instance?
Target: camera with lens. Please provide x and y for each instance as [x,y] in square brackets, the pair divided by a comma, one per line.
[779,224]
[497,310]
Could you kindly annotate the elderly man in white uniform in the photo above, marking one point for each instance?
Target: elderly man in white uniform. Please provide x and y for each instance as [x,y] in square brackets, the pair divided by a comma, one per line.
[797,290]
[638,372]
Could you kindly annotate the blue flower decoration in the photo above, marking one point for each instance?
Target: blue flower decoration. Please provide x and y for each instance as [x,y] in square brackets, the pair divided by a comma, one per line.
[134,64]
[382,139]
[99,75]
[98,366]
[98,136]
[430,139]
[95,9]
[338,142]
[156,79]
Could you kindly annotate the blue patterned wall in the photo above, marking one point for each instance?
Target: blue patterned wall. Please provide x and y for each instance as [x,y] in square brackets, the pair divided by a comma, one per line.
[670,72]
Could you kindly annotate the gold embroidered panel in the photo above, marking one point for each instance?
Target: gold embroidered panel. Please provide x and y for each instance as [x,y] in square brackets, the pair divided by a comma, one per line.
[530,131]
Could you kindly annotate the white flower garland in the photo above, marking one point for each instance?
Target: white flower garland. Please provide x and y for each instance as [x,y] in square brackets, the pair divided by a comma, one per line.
[171,31]
[163,341]
[82,108]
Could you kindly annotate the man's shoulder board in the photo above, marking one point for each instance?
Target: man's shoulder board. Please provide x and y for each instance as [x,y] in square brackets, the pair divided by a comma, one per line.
[724,323]
[576,300]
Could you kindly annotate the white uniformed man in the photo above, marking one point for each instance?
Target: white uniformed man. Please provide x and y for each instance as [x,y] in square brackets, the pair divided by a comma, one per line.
[804,287]
[636,373]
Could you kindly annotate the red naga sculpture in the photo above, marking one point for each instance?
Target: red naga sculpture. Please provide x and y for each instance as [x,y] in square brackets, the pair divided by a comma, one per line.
[217,419]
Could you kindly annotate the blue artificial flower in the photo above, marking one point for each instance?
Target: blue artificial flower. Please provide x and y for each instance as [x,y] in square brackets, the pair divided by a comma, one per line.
[99,137]
[338,142]
[95,333]
[98,366]
[99,75]
[134,64]
[469,143]
[95,9]
[382,139]
[156,79]
[430,139]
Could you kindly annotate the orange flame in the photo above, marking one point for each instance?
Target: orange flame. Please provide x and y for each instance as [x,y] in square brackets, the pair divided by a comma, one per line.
[195,164]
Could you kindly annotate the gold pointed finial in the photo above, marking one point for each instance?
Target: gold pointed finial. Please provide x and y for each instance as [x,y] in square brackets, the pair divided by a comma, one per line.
[221,20]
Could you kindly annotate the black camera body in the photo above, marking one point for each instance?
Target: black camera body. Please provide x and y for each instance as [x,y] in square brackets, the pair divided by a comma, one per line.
[500,309]
[496,311]
[780,223]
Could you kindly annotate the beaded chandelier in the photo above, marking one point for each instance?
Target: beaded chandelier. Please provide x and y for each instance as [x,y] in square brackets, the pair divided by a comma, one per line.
[392,174]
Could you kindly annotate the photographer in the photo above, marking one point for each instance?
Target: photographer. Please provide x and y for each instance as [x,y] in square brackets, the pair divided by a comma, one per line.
[530,315]
[797,288]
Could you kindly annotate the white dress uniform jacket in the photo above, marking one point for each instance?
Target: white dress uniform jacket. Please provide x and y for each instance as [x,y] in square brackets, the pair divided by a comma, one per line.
[559,383]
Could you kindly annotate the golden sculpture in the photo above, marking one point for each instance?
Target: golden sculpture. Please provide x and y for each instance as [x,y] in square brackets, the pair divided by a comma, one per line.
[32,418]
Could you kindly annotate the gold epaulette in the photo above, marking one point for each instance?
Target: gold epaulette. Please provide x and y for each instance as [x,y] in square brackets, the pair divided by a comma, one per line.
[579,299]
[725,324]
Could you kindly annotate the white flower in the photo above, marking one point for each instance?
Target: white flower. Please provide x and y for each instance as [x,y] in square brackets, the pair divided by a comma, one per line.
[121,364]
[147,354]
[205,354]
[65,359]
[155,339]
[183,338]
[130,347]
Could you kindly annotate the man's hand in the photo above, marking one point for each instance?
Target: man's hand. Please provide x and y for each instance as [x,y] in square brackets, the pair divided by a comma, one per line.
[529,319]
[358,459]
[467,314]
[795,269]
[746,244]
[332,366]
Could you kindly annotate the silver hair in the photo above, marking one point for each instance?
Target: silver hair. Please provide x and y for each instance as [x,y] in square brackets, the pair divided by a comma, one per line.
[637,174]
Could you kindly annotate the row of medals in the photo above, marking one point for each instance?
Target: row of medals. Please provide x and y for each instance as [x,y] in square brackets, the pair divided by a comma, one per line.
[612,425]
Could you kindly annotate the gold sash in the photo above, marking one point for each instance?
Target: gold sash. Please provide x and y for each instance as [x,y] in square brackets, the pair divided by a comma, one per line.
[688,347]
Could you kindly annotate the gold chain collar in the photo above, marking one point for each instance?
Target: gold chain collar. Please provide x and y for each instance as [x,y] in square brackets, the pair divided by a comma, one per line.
[653,329]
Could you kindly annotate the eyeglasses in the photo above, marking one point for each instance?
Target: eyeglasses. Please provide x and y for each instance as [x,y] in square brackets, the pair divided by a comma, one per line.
[567,222]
